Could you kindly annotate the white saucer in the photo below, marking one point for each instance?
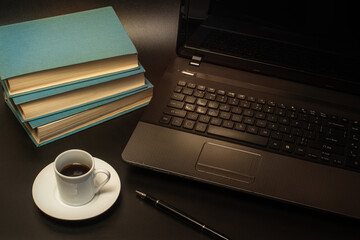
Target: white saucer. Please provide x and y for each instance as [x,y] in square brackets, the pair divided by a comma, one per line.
[46,195]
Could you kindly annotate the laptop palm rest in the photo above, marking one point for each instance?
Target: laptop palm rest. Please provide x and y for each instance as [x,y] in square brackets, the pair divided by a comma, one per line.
[228,162]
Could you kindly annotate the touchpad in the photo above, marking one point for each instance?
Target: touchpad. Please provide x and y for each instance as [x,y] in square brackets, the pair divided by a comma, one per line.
[228,162]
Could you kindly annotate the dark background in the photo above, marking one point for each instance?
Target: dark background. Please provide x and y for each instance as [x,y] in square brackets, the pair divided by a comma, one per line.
[152,25]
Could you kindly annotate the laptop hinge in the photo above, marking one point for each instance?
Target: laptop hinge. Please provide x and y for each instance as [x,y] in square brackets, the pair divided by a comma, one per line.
[195,61]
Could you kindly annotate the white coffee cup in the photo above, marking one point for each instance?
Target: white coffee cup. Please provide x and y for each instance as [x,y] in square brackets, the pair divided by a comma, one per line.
[75,176]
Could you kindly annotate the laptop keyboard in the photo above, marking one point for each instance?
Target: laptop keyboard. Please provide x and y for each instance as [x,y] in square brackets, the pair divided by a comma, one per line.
[265,124]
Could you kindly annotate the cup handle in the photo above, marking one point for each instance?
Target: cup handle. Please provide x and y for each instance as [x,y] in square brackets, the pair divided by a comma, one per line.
[103,171]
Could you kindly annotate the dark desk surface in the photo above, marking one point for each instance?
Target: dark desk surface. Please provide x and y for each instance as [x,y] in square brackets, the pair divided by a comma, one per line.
[152,26]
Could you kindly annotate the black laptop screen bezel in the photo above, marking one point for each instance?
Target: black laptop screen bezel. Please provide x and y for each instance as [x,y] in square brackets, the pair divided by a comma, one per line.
[346,83]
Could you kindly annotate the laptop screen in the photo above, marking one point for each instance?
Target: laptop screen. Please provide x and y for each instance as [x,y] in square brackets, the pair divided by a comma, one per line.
[305,41]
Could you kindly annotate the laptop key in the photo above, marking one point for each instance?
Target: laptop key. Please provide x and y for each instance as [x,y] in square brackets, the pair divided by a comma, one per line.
[264,132]
[213,113]
[225,115]
[201,110]
[274,144]
[313,154]
[189,107]
[300,151]
[182,83]
[188,124]
[191,85]
[175,112]
[176,104]
[213,105]
[188,91]
[204,119]
[228,124]
[210,90]
[237,135]
[165,119]
[190,99]
[192,116]
[178,89]
[221,99]
[199,94]
[200,127]
[350,162]
[252,129]
[241,96]
[201,102]
[201,87]
[210,96]
[216,121]
[176,121]
[178,96]
[240,126]
[287,147]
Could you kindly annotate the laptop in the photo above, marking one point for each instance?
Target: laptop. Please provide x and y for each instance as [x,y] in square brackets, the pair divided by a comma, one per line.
[262,98]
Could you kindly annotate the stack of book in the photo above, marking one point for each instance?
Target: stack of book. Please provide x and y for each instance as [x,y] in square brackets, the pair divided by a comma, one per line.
[63,74]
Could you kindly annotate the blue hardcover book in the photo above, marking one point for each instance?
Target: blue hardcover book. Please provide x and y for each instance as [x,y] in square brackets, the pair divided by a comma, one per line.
[54,51]
[85,118]
[81,97]
[36,95]
[60,115]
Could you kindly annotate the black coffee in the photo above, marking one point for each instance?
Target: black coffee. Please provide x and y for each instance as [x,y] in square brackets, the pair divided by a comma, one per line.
[74,170]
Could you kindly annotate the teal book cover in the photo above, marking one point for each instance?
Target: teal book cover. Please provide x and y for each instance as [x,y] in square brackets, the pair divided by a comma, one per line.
[61,41]
[35,95]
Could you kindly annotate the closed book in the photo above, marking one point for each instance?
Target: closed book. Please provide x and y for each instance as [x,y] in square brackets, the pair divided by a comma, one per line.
[72,99]
[64,114]
[59,50]
[82,120]
[36,95]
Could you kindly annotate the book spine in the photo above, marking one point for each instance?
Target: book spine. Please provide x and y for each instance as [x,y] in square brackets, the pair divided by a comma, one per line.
[21,123]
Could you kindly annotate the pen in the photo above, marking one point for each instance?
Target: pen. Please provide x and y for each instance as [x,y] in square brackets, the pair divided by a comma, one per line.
[182,216]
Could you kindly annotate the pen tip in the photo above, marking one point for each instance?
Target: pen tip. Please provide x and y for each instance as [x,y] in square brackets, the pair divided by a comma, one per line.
[140,194]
